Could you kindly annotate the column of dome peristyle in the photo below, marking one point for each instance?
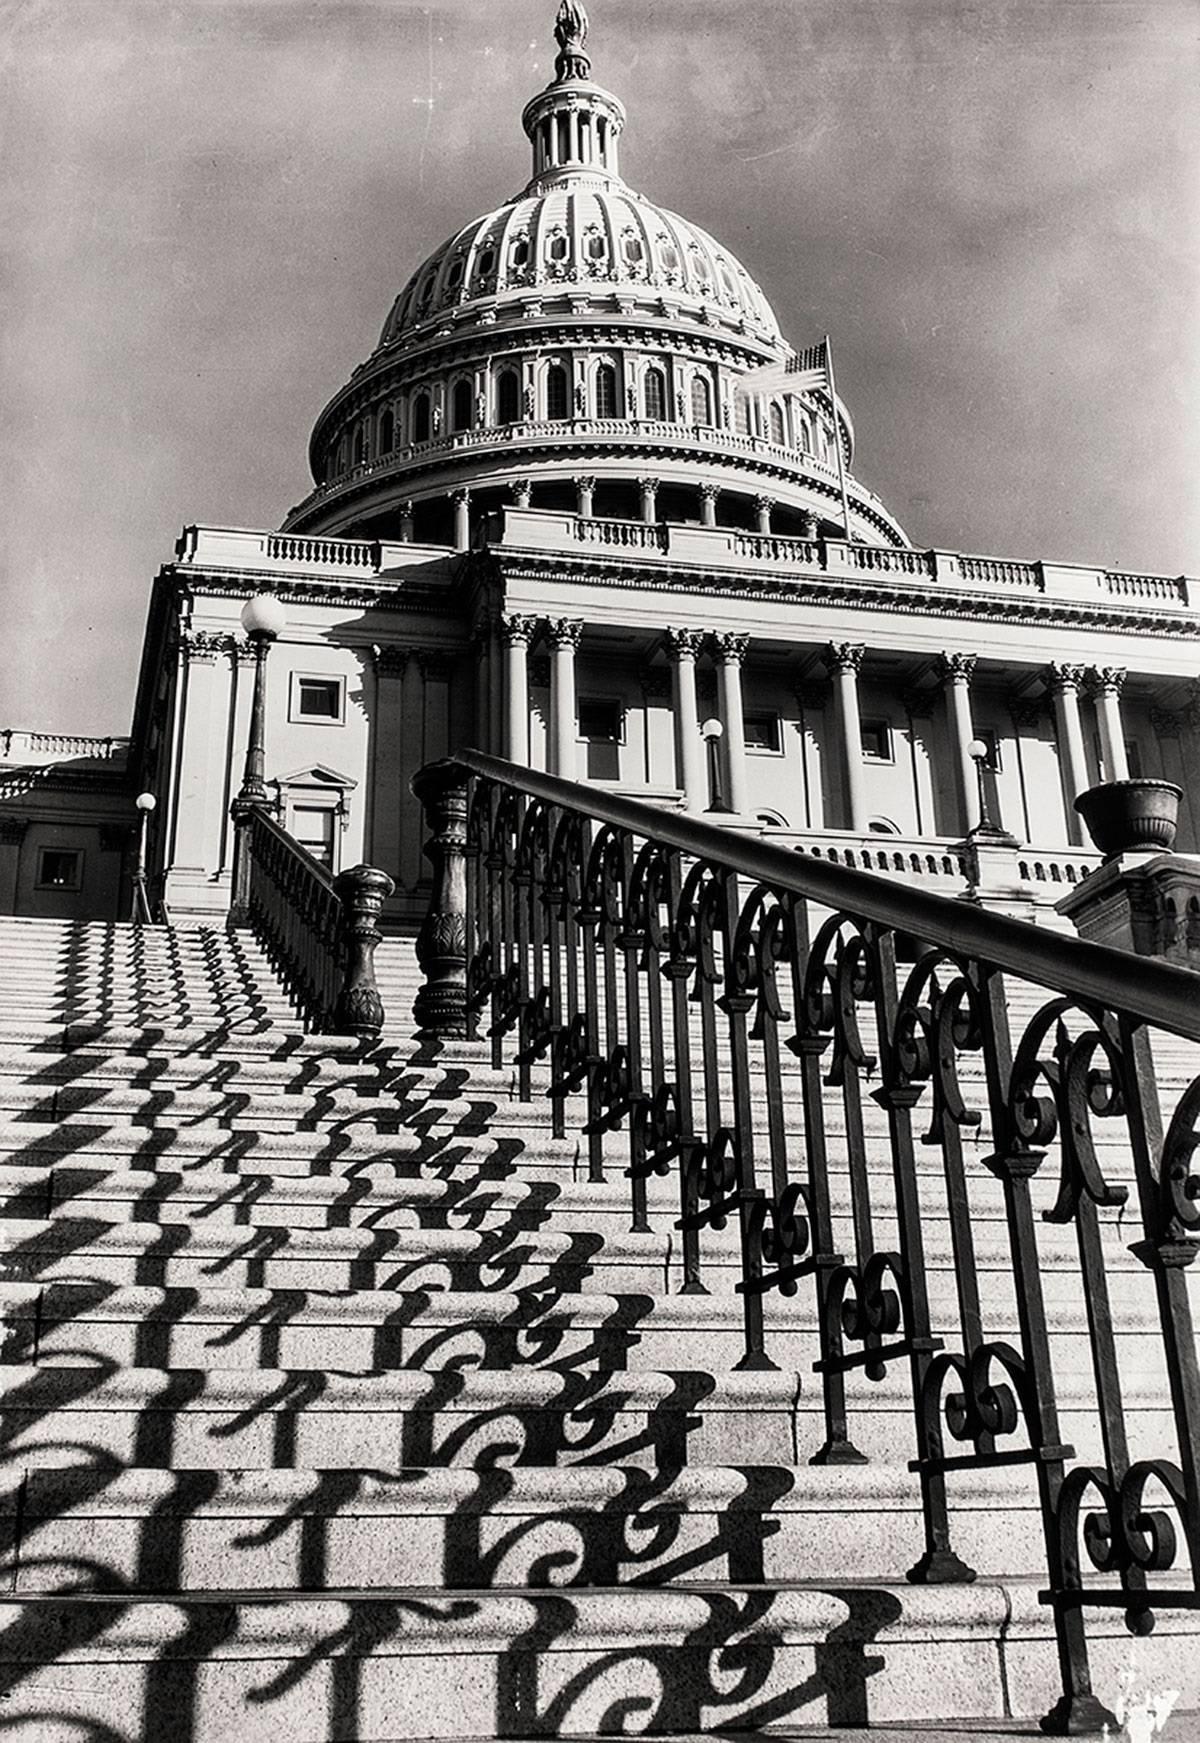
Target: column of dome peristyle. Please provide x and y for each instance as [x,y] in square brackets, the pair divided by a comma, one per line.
[264,620]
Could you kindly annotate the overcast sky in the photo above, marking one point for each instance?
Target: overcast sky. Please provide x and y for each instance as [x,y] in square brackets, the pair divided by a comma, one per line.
[208,206]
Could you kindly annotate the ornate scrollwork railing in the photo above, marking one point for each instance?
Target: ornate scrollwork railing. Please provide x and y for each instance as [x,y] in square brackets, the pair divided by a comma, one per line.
[319,931]
[869,1088]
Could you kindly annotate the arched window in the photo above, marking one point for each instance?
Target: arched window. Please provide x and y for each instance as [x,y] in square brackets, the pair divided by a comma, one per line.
[776,416]
[556,391]
[804,432]
[360,444]
[741,414]
[701,401]
[606,391]
[656,394]
[508,397]
[460,406]
[420,422]
[387,431]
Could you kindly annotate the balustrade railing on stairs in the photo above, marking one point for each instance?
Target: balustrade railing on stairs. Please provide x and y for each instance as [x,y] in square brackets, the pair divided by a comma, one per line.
[320,931]
[749,1022]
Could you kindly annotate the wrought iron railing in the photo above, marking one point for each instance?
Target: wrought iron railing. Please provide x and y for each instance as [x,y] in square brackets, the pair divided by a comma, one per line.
[319,931]
[850,1076]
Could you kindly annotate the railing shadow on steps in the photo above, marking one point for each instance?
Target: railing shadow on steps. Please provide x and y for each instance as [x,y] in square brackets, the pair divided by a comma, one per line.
[319,931]
[670,981]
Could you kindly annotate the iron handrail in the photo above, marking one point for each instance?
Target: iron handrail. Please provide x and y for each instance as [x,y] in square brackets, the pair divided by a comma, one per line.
[1157,992]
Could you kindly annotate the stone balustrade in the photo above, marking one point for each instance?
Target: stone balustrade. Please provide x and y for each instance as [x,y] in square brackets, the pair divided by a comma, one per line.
[54,747]
[700,547]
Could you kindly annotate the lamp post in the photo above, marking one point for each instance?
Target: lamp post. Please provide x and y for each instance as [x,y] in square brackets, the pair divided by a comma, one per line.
[145,803]
[978,751]
[712,732]
[263,620]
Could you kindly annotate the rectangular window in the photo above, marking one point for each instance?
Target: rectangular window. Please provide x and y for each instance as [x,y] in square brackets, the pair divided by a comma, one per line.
[877,741]
[762,732]
[59,868]
[601,720]
[988,736]
[312,827]
[318,699]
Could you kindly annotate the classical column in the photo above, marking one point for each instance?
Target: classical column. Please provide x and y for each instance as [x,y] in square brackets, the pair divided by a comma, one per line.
[731,651]
[762,513]
[683,645]
[388,782]
[406,522]
[843,661]
[522,491]
[1065,684]
[564,634]
[462,519]
[1106,684]
[955,671]
[649,490]
[517,633]
[585,491]
[708,504]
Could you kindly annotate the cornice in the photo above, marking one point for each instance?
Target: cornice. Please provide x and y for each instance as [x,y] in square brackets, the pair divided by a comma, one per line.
[400,596]
[940,602]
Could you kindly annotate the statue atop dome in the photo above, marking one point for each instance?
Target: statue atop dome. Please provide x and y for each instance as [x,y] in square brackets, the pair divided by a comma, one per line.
[571,34]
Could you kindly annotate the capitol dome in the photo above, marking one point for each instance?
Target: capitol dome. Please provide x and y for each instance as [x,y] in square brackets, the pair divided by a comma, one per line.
[579,327]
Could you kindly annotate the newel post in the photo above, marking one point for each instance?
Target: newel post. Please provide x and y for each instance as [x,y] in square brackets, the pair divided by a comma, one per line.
[362,892]
[440,1007]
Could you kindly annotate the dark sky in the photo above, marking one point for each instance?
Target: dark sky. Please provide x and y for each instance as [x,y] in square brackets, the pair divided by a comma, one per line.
[209,205]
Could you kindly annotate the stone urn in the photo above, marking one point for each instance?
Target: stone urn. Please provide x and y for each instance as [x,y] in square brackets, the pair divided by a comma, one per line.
[1135,816]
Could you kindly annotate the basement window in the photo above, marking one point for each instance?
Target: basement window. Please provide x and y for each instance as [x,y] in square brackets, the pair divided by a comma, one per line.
[319,699]
[59,868]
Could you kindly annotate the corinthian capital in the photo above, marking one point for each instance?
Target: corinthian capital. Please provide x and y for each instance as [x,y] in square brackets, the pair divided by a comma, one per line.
[1066,677]
[564,632]
[518,629]
[730,647]
[1110,679]
[843,656]
[684,643]
[956,668]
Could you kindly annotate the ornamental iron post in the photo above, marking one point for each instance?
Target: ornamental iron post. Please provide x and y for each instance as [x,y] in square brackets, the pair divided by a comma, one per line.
[440,1007]
[362,892]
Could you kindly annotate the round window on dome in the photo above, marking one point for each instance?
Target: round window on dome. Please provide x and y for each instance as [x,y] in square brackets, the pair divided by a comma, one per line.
[634,252]
[487,262]
[426,293]
[558,248]
[597,248]
[454,276]
[670,257]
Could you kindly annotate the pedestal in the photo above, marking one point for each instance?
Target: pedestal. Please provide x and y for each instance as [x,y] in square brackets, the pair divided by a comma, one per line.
[1148,903]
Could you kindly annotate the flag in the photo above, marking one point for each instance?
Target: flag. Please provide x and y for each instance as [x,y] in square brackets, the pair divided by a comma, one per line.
[798,373]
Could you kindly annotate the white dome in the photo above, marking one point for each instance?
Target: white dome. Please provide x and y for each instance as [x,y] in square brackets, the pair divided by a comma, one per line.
[590,231]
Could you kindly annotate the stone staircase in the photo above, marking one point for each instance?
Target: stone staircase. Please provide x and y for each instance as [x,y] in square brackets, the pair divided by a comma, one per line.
[339,1404]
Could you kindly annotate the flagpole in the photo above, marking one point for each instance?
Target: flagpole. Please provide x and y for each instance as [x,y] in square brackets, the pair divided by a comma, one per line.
[837,434]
